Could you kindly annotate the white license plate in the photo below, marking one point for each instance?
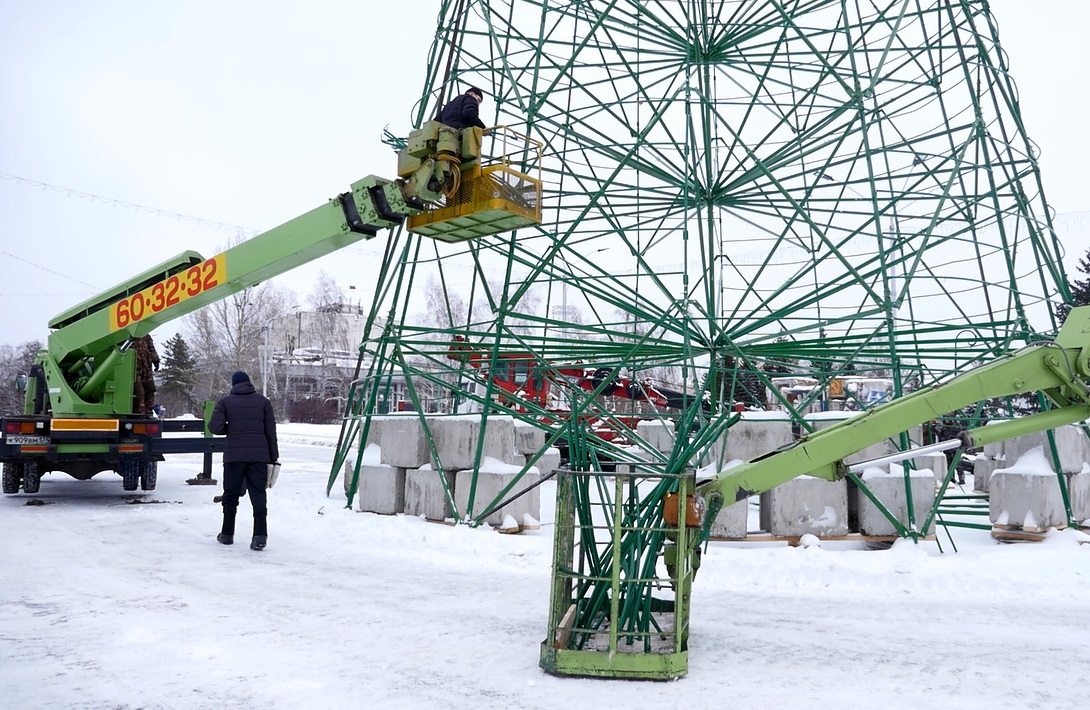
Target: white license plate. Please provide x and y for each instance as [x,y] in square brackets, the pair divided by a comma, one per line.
[17,439]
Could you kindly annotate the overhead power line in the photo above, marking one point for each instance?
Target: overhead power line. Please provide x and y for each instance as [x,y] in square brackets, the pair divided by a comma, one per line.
[70,192]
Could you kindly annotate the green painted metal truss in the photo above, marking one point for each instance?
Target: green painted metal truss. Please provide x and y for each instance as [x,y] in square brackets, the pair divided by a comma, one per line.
[733,191]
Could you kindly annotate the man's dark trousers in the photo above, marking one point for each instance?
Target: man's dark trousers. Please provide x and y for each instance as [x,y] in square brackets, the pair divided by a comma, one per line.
[252,477]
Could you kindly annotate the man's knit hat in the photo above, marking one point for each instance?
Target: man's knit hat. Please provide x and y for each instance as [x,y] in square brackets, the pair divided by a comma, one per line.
[239,377]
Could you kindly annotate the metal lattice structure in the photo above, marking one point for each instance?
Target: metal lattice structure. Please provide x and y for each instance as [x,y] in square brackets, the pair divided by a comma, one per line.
[731,188]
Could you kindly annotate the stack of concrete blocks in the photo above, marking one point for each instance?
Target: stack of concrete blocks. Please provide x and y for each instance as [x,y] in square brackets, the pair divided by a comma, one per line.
[1071,444]
[886,447]
[1024,490]
[349,467]
[404,448]
[888,486]
[456,442]
[755,434]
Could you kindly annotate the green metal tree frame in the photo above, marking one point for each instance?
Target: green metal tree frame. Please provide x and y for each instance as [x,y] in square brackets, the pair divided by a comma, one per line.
[841,187]
[844,186]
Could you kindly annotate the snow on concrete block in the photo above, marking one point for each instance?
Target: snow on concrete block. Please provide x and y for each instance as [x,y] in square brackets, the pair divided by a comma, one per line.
[529,439]
[456,439]
[1027,494]
[425,495]
[1013,449]
[888,486]
[403,442]
[490,481]
[806,505]
[658,433]
[1072,446]
[381,490]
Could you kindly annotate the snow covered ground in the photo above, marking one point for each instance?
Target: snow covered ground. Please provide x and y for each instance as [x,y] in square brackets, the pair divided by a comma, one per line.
[115,600]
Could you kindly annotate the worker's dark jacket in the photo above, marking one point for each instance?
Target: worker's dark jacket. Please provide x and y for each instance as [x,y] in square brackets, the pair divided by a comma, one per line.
[461,113]
[247,419]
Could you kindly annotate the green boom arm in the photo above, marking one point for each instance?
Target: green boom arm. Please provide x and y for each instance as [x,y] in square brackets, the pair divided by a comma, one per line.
[1057,368]
[86,366]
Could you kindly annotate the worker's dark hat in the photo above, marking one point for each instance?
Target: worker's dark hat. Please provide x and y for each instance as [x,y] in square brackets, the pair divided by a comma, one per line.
[475,90]
[239,377]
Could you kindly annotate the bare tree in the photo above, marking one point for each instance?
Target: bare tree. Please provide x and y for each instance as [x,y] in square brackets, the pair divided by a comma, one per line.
[328,332]
[443,308]
[15,360]
[227,335]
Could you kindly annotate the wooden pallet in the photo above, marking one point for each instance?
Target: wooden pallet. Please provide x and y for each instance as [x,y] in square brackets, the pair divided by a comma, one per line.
[793,540]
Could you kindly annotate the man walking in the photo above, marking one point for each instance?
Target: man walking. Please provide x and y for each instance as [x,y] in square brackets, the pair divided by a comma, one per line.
[247,419]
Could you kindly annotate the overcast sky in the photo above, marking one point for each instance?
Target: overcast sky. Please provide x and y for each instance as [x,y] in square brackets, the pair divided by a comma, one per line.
[251,113]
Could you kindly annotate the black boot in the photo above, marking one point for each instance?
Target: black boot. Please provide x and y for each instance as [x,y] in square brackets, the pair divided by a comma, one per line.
[225,539]
[258,542]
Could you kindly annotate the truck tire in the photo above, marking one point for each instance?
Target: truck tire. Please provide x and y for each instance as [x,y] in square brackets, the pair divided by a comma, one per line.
[32,477]
[13,477]
[148,473]
[130,474]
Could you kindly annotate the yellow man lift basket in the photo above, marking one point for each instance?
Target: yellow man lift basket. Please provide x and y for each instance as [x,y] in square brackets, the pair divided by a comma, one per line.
[490,200]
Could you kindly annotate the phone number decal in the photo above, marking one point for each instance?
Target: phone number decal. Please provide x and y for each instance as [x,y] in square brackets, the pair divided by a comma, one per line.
[169,292]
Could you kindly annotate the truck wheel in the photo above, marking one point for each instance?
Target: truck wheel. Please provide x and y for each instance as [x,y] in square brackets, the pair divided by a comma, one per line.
[130,474]
[13,477]
[148,473]
[32,477]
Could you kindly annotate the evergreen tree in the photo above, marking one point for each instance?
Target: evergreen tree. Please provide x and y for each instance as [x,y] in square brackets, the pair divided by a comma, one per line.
[1080,290]
[176,393]
[779,365]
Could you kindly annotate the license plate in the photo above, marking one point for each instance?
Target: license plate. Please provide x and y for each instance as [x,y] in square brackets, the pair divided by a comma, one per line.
[17,439]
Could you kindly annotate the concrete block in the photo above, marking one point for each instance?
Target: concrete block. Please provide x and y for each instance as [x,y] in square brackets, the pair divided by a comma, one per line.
[658,433]
[425,495]
[732,522]
[547,462]
[1026,498]
[750,438]
[381,490]
[983,466]
[402,440]
[456,440]
[371,457]
[1078,488]
[1073,448]
[935,463]
[529,439]
[888,486]
[488,487]
[806,505]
